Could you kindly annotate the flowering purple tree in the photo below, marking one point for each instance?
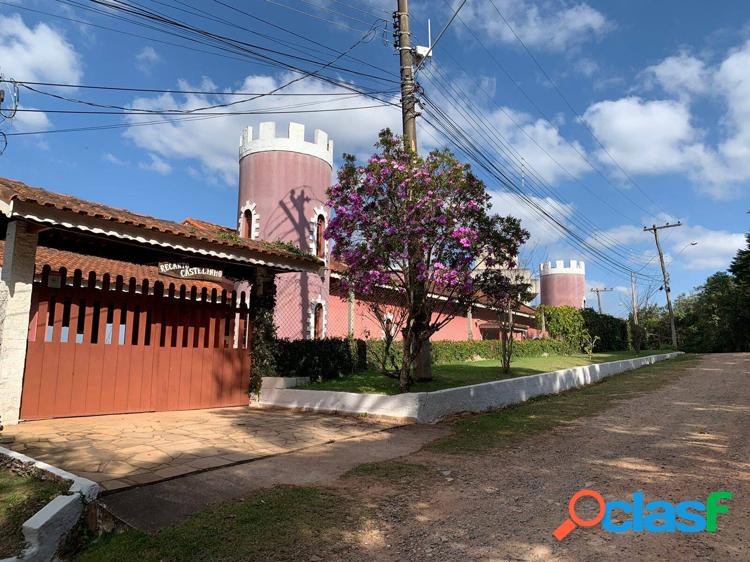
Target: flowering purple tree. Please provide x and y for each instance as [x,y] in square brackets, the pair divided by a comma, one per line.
[418,227]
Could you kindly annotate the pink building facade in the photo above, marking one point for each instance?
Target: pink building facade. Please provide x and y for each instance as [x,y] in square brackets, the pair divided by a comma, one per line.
[563,285]
[282,193]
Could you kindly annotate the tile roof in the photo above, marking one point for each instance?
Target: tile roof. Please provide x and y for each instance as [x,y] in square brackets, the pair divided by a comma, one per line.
[58,259]
[191,228]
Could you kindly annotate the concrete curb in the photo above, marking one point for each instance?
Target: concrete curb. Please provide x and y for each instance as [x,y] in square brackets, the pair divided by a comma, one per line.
[430,407]
[45,529]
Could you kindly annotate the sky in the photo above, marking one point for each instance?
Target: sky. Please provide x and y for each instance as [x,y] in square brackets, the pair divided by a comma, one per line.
[613,115]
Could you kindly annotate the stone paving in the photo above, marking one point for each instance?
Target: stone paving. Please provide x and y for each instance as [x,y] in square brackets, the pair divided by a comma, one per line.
[119,451]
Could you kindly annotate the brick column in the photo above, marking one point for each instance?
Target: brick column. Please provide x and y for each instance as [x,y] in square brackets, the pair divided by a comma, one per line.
[16,282]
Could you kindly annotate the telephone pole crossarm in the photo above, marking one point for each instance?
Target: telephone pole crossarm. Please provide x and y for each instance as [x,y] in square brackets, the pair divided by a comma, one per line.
[599,291]
[667,291]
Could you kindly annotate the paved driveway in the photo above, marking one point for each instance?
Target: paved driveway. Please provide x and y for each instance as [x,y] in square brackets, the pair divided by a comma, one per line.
[127,450]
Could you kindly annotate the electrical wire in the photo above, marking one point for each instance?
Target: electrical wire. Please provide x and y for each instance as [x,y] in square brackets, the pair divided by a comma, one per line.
[544,116]
[440,36]
[476,116]
[181,92]
[570,106]
[458,138]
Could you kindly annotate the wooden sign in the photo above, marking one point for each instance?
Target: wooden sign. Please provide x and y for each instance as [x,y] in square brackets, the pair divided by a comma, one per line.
[186,271]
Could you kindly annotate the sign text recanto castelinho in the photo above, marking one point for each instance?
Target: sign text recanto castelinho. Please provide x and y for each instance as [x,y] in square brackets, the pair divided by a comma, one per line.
[186,271]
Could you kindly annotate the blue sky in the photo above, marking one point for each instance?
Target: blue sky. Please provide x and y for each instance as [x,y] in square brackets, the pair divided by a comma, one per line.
[654,124]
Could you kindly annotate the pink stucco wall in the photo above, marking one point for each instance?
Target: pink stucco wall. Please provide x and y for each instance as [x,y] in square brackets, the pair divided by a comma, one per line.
[286,187]
[563,289]
[366,327]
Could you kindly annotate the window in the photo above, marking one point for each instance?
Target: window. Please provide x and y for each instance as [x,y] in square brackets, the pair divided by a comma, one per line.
[247,225]
[318,322]
[320,243]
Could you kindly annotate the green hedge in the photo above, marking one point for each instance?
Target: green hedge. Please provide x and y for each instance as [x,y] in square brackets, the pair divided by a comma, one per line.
[612,331]
[333,357]
[457,351]
[319,359]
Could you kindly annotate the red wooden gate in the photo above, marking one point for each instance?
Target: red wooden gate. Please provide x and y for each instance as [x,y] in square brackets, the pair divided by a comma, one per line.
[100,349]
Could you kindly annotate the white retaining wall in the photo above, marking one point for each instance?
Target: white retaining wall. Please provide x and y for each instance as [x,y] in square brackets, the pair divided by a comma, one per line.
[429,407]
[45,530]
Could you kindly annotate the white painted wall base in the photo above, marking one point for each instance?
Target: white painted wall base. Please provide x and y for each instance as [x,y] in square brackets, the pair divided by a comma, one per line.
[430,407]
[45,530]
[283,382]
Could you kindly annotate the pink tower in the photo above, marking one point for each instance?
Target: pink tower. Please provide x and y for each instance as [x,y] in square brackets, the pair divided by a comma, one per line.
[283,183]
[561,285]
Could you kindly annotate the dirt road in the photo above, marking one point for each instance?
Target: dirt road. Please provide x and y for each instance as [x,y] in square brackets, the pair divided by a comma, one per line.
[681,442]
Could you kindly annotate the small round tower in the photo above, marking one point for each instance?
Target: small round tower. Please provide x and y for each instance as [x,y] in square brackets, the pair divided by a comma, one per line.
[282,194]
[562,285]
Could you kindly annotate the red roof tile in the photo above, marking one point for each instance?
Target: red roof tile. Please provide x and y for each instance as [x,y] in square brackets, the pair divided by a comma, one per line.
[58,259]
[192,228]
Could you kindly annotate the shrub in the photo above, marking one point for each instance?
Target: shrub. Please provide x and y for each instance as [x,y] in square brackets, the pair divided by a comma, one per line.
[611,331]
[564,322]
[318,359]
[457,351]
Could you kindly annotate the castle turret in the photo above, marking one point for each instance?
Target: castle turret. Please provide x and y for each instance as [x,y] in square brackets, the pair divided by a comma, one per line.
[563,285]
[282,194]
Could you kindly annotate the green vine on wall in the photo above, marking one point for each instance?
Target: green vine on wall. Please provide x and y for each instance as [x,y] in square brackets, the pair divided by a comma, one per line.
[262,304]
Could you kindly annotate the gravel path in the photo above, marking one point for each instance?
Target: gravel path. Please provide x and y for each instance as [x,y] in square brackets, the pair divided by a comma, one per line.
[677,443]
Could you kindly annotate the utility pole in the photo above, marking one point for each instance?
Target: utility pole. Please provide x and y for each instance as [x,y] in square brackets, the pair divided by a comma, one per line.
[655,229]
[406,57]
[599,296]
[634,298]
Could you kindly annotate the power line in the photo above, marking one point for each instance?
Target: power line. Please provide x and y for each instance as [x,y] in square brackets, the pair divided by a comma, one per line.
[187,112]
[446,85]
[186,92]
[458,137]
[476,117]
[440,36]
[308,14]
[544,116]
[570,106]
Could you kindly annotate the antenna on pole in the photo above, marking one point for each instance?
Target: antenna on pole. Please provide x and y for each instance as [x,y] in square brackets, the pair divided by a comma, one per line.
[421,51]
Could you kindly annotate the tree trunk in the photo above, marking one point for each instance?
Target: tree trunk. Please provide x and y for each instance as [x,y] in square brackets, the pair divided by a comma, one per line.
[423,364]
[405,375]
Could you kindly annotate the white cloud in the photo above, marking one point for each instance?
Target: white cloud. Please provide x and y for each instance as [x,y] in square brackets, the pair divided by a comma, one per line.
[644,137]
[681,75]
[658,136]
[30,121]
[541,145]
[212,143]
[547,154]
[619,236]
[586,67]
[714,250]
[146,59]
[156,165]
[37,53]
[113,159]
[553,26]
[542,232]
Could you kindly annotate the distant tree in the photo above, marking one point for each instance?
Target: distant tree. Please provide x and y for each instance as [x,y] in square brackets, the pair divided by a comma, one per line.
[419,227]
[565,323]
[505,290]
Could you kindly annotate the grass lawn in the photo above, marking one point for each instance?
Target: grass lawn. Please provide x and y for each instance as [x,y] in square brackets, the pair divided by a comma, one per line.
[462,374]
[477,433]
[289,523]
[284,523]
[20,498]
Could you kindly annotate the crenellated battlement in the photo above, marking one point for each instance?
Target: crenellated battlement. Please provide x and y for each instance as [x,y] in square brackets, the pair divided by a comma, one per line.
[267,141]
[575,268]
